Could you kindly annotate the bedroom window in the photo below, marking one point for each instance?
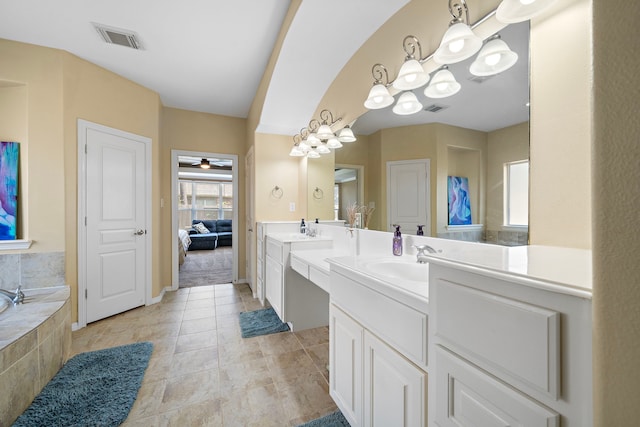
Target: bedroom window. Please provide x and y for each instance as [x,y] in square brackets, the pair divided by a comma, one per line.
[204,200]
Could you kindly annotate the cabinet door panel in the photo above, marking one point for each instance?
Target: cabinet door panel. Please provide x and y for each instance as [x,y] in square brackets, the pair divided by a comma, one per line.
[466,396]
[345,364]
[395,390]
[274,281]
[516,341]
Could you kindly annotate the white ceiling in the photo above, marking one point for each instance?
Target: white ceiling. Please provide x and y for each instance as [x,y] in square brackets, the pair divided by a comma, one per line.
[210,55]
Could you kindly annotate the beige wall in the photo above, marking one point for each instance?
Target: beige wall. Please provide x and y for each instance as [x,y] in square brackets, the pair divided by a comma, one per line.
[14,128]
[209,133]
[274,167]
[616,203]
[560,200]
[42,166]
[503,145]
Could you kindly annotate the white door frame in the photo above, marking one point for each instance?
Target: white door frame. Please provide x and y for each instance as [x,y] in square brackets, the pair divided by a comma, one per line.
[83,127]
[427,162]
[360,169]
[174,209]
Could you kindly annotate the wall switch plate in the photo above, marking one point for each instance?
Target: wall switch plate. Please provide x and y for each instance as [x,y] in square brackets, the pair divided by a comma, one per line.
[372,205]
[292,206]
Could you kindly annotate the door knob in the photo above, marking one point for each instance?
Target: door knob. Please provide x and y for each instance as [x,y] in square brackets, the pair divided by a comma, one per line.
[139,232]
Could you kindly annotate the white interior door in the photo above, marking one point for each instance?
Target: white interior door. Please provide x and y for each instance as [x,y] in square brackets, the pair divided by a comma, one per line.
[116,229]
[408,201]
[250,220]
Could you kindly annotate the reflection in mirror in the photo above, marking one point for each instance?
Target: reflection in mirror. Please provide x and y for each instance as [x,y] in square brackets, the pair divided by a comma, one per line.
[348,189]
[480,133]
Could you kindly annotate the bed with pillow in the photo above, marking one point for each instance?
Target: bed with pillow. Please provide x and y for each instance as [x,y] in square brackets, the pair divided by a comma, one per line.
[183,245]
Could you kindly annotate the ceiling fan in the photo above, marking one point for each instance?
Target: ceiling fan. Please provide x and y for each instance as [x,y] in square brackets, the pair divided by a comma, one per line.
[215,163]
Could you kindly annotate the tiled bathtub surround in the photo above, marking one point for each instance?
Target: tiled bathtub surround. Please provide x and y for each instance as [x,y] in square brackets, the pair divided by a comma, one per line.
[35,341]
[32,270]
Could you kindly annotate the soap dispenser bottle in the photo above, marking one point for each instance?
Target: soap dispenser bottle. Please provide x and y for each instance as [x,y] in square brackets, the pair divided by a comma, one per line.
[397,242]
[420,231]
[303,227]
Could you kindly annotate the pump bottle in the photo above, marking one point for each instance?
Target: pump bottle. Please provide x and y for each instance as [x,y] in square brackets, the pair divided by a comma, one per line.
[397,242]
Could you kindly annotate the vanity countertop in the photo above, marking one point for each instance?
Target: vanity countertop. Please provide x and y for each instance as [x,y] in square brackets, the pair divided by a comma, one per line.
[317,258]
[563,270]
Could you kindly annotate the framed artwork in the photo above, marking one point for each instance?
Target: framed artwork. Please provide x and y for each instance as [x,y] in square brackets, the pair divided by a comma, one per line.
[459,204]
[9,158]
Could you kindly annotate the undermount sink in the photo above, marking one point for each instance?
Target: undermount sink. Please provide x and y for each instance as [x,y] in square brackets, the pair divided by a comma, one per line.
[398,270]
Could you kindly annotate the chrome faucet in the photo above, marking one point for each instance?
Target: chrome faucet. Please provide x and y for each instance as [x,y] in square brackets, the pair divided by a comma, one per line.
[16,297]
[421,256]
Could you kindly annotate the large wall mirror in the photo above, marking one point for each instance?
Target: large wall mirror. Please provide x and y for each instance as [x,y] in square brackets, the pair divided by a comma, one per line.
[481,134]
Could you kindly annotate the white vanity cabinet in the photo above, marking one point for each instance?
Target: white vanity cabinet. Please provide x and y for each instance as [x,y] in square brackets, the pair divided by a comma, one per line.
[507,350]
[377,354]
[294,298]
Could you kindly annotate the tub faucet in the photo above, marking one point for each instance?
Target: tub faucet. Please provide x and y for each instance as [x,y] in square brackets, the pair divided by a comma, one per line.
[16,297]
[421,257]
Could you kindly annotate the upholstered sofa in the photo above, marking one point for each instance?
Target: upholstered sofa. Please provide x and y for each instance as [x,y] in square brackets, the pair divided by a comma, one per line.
[219,234]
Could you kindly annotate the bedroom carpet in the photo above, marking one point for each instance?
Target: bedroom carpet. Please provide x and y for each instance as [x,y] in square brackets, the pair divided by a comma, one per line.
[206,267]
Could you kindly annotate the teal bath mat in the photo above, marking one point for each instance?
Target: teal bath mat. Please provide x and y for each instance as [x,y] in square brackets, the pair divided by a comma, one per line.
[261,322]
[96,388]
[334,419]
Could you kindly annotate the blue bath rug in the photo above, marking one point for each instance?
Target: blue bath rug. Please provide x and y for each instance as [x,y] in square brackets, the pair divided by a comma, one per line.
[261,322]
[334,419]
[94,389]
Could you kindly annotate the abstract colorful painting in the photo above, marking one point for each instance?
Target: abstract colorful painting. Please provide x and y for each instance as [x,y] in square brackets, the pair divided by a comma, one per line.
[9,158]
[459,204]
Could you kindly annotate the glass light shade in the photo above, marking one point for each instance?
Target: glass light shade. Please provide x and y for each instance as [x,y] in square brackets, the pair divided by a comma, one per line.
[323,149]
[313,140]
[303,146]
[407,104]
[442,85]
[313,154]
[379,97]
[495,57]
[512,11]
[204,164]
[411,76]
[334,143]
[324,132]
[346,135]
[296,151]
[458,44]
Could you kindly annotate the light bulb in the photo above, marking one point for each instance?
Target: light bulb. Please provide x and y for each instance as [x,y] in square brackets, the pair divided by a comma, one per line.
[492,59]
[456,46]
[441,86]
[410,78]
[377,99]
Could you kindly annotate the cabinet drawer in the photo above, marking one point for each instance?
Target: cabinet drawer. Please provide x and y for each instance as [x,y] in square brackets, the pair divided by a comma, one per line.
[466,396]
[400,325]
[299,266]
[517,342]
[319,277]
[274,250]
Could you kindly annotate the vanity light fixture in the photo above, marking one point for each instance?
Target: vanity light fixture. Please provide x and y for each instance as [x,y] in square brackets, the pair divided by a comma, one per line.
[442,85]
[459,41]
[411,74]
[513,11]
[346,135]
[407,104]
[318,138]
[379,96]
[494,57]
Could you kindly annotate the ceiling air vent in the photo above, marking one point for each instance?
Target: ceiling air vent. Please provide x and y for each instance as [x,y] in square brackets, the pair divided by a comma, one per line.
[118,36]
[434,108]
[479,79]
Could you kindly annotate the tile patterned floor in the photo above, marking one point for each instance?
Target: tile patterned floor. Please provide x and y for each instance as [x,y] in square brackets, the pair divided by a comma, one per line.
[203,373]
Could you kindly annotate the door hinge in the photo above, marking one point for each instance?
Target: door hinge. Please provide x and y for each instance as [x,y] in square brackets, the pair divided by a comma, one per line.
[86,294]
[85,221]
[85,148]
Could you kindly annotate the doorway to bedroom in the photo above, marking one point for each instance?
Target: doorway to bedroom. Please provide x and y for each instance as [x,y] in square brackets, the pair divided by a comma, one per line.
[204,194]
